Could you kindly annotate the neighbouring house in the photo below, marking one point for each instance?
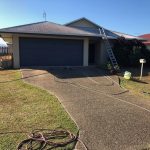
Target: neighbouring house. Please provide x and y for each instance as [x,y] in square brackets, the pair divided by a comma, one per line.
[5,54]
[147,37]
[3,46]
[78,43]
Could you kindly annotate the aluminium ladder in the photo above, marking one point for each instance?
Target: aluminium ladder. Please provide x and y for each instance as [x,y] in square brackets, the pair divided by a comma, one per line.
[109,49]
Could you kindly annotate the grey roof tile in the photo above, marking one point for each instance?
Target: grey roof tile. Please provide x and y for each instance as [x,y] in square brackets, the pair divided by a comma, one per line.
[47,28]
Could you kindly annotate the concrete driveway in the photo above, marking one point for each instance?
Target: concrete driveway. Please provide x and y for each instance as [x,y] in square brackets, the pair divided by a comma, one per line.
[109,118]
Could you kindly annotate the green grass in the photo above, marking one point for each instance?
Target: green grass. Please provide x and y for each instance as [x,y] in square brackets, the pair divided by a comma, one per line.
[141,89]
[24,107]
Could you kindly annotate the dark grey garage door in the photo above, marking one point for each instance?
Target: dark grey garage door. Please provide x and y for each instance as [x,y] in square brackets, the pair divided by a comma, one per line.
[50,52]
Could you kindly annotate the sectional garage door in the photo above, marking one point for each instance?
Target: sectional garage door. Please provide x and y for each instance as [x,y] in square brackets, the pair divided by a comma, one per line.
[50,52]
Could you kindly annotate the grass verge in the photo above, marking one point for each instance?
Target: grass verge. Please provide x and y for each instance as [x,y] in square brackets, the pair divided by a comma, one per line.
[139,88]
[24,107]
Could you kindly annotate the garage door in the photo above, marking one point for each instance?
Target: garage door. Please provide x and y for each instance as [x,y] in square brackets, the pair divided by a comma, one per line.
[50,52]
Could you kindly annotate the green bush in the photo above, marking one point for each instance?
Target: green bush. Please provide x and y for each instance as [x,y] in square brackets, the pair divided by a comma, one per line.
[128,52]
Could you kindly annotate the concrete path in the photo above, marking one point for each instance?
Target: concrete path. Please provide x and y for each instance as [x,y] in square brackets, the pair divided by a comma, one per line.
[109,118]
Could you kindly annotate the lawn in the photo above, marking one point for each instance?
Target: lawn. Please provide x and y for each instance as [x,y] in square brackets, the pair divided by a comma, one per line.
[141,88]
[24,107]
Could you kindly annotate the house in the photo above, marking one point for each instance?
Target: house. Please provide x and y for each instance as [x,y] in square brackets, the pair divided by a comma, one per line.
[3,46]
[78,43]
[147,37]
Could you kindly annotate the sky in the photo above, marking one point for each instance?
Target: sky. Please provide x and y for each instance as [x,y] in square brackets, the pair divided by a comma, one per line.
[127,16]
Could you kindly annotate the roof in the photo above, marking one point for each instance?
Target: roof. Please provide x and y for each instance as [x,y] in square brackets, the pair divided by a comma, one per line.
[83,18]
[147,37]
[109,33]
[127,36]
[2,43]
[47,28]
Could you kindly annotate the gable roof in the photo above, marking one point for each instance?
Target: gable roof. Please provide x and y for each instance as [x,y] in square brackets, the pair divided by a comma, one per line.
[113,34]
[47,28]
[92,29]
[83,18]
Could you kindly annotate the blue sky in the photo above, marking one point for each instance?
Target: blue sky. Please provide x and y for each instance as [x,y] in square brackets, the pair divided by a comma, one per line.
[128,16]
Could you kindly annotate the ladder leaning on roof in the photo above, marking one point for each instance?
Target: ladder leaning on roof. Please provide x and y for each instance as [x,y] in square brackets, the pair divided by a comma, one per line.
[109,49]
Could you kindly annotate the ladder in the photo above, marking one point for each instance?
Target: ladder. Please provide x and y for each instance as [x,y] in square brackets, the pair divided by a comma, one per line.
[109,49]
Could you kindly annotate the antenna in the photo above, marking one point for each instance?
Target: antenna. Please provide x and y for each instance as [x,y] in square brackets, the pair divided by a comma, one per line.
[44,15]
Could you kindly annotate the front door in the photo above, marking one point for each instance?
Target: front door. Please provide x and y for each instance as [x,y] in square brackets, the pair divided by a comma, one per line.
[92,54]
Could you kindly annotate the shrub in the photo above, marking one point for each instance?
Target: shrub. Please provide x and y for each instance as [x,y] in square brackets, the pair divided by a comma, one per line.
[128,52]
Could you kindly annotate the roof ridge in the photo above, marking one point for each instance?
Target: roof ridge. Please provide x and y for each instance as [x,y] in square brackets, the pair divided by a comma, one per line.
[69,27]
[25,24]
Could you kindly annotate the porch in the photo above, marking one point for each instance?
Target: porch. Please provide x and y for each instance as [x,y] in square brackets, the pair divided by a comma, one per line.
[97,54]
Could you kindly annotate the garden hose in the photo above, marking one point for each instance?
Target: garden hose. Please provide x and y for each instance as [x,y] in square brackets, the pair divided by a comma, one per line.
[45,139]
